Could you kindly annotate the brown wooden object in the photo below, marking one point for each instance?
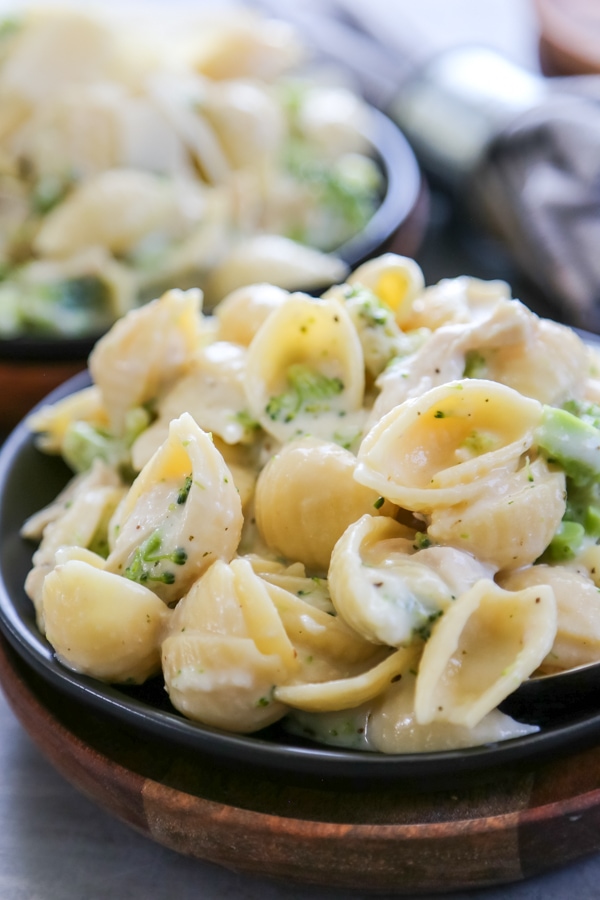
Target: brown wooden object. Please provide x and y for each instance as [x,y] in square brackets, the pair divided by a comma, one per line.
[390,837]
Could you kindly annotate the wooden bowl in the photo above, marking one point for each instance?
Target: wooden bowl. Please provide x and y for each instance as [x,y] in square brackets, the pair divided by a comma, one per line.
[399,839]
[569,40]
[23,383]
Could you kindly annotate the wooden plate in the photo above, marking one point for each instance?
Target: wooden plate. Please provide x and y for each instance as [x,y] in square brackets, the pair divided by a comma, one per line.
[400,839]
[569,36]
[23,383]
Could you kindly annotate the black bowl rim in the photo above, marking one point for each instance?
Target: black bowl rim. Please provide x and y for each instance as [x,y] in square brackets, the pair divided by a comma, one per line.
[403,188]
[254,750]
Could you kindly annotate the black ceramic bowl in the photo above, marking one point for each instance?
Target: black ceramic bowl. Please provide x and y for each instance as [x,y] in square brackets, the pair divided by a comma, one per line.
[29,479]
[32,366]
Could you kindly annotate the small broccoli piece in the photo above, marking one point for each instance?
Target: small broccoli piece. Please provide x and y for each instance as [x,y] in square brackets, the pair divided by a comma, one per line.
[571,443]
[145,563]
[74,306]
[588,412]
[475,365]
[247,421]
[477,442]
[184,492]
[346,191]
[592,520]
[87,292]
[49,191]
[566,542]
[309,391]
[423,631]
[83,443]
[10,26]
[381,337]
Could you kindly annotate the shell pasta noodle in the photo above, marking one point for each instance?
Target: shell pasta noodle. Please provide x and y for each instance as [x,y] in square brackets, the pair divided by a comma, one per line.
[368,516]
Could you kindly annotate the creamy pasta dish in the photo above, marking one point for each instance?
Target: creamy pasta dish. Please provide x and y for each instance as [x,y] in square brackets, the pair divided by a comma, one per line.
[140,152]
[370,515]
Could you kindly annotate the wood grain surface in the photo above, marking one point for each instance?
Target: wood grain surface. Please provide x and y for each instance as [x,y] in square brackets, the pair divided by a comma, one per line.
[394,837]
[25,383]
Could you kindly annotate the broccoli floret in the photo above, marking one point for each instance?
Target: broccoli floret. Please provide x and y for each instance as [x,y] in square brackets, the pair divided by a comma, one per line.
[565,543]
[49,191]
[83,443]
[184,492]
[475,365]
[144,566]
[346,190]
[572,443]
[569,437]
[588,412]
[309,391]
[74,306]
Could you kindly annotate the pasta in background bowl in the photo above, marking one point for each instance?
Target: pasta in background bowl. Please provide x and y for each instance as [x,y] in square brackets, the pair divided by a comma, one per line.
[204,153]
[344,538]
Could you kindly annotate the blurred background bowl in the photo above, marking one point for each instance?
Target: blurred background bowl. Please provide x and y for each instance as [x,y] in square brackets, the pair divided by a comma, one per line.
[30,367]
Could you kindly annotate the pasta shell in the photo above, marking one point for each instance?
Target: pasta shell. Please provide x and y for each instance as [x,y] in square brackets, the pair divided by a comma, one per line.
[396,280]
[433,451]
[179,97]
[101,624]
[319,633]
[227,650]
[305,369]
[577,640]
[115,209]
[486,643]
[241,313]
[511,522]
[392,726]
[346,693]
[248,121]
[380,586]
[230,599]
[51,422]
[546,365]
[222,681]
[146,350]
[455,300]
[278,260]
[99,475]
[64,554]
[456,350]
[334,119]
[78,520]
[381,338]
[98,127]
[60,47]
[249,46]
[212,392]
[387,724]
[305,525]
[181,513]
[211,605]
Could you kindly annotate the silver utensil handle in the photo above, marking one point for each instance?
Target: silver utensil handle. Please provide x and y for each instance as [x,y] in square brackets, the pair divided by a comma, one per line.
[453,107]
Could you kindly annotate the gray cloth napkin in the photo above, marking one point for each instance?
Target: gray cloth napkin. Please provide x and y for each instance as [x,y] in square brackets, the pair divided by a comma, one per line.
[538,188]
